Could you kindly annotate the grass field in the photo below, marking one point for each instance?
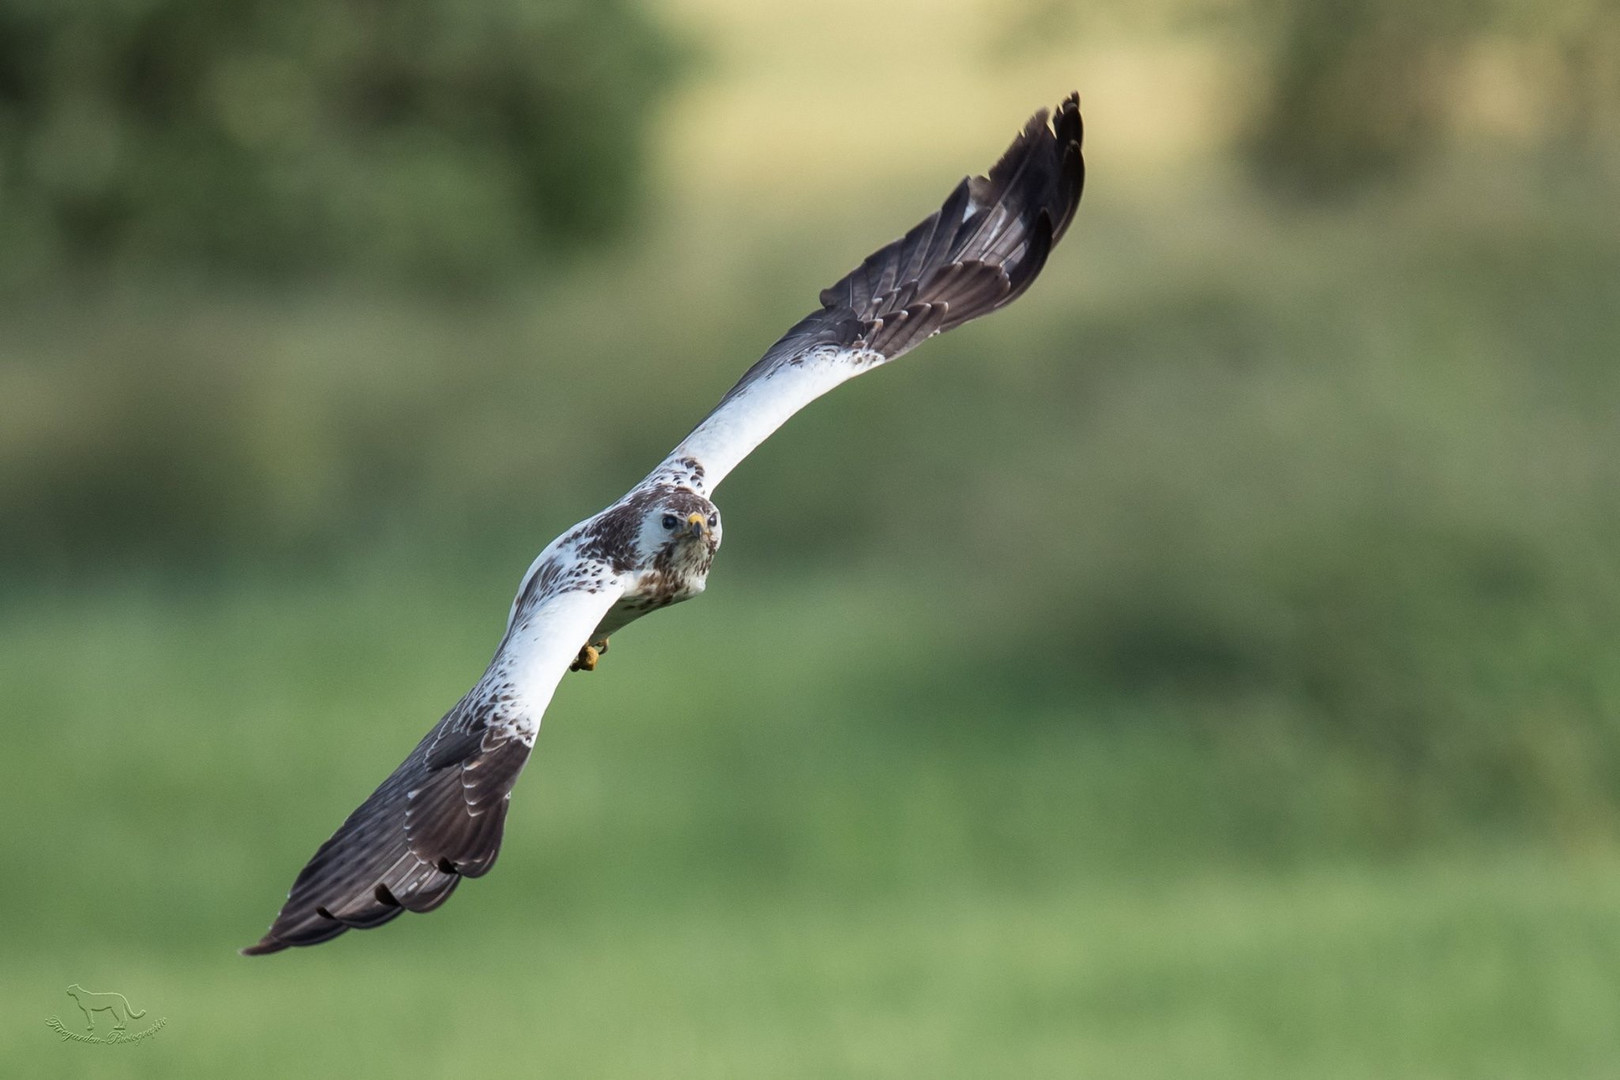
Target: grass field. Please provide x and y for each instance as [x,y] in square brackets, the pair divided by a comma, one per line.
[725,862]
[1283,748]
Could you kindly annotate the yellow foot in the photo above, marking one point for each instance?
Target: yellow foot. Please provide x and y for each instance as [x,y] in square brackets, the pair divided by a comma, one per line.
[588,656]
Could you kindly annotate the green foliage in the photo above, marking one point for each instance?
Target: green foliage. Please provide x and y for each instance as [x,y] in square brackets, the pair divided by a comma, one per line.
[1343,96]
[427,139]
[1354,493]
[1354,90]
[1359,91]
[1207,668]
[1210,667]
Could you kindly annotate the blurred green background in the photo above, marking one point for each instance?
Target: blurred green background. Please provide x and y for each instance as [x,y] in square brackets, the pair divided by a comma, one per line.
[1206,668]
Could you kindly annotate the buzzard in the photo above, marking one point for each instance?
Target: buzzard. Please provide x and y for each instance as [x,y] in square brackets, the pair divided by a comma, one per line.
[439,817]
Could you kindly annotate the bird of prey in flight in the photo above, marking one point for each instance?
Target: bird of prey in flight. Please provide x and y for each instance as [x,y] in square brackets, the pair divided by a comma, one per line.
[438,818]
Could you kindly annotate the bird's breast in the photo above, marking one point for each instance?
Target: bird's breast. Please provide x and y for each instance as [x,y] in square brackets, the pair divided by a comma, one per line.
[652,590]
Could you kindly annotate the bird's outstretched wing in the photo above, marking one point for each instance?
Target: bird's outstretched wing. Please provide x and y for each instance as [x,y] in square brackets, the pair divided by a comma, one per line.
[976,253]
[440,816]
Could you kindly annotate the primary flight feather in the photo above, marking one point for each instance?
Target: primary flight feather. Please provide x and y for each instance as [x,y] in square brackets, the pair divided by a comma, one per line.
[438,818]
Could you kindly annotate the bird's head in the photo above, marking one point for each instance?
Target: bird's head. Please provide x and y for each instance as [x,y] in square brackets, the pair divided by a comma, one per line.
[680,523]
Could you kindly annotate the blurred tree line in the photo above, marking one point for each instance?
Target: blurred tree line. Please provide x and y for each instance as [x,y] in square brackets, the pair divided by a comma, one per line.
[1349,93]
[1357,90]
[416,138]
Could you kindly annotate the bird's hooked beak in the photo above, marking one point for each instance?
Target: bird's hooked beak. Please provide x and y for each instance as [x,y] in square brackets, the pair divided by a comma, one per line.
[697,524]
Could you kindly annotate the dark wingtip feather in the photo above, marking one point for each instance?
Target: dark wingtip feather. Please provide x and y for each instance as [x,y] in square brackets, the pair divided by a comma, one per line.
[1069,130]
[437,820]
[980,250]
[1006,221]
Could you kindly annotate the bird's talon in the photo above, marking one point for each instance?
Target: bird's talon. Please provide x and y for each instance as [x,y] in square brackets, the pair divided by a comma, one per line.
[586,660]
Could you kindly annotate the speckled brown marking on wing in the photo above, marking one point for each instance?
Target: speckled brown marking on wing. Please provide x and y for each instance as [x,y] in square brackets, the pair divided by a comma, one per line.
[687,472]
[611,537]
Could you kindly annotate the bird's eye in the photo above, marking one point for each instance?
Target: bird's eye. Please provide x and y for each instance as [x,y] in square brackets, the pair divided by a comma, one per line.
[714,520]
[669,521]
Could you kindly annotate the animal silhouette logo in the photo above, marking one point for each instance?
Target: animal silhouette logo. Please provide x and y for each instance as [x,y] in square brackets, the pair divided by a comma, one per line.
[117,1008]
[115,1003]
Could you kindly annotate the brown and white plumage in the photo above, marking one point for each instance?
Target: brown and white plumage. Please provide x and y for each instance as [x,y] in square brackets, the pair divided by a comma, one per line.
[438,818]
